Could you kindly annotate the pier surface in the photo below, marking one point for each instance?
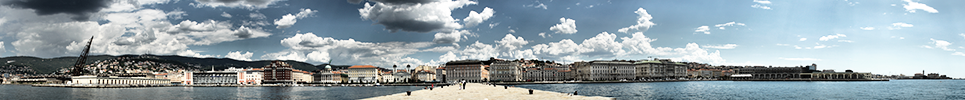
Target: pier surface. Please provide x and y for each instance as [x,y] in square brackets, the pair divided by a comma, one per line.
[476,91]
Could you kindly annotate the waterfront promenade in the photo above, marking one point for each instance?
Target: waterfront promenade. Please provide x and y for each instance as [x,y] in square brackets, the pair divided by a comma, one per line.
[476,91]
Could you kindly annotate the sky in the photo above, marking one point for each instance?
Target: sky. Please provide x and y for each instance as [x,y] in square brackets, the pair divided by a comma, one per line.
[879,36]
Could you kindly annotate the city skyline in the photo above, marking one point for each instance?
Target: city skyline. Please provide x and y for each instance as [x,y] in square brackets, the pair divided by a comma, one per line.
[882,37]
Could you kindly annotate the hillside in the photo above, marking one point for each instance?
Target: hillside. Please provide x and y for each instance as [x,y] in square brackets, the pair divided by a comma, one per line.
[51,65]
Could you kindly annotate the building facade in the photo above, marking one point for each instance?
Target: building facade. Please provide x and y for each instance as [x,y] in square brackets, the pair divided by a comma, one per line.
[469,70]
[505,71]
[659,69]
[363,74]
[605,70]
[215,77]
[277,72]
[331,77]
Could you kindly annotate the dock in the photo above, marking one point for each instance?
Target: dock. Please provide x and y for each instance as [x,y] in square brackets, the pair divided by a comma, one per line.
[476,91]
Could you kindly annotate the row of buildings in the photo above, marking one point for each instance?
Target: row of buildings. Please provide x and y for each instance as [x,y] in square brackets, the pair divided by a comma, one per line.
[535,70]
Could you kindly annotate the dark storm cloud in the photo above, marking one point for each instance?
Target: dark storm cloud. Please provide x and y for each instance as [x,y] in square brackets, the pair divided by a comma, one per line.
[412,26]
[79,8]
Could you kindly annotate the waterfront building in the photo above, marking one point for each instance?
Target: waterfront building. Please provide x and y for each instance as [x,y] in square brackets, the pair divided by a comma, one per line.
[425,76]
[277,72]
[761,72]
[546,74]
[469,70]
[505,71]
[300,76]
[837,75]
[118,79]
[605,70]
[215,77]
[363,73]
[440,74]
[400,76]
[252,76]
[331,77]
[660,69]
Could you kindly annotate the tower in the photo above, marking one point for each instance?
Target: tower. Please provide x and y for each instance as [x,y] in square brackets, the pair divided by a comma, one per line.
[81,60]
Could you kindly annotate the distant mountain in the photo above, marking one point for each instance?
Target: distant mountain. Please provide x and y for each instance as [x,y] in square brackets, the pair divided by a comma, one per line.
[50,65]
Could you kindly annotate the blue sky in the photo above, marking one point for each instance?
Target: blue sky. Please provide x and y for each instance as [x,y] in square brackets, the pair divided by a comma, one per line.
[879,36]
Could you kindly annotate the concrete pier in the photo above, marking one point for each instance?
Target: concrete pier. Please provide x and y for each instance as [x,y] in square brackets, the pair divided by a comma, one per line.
[476,91]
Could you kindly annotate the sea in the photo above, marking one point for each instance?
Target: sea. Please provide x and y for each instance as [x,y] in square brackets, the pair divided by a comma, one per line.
[740,90]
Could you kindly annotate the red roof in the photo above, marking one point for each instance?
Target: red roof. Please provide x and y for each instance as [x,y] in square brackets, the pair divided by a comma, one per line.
[362,66]
[441,68]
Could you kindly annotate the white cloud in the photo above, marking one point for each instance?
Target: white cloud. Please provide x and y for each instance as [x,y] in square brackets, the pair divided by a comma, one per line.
[961,34]
[762,1]
[249,4]
[849,41]
[942,44]
[643,22]
[2,49]
[721,26]
[309,47]
[538,5]
[867,28]
[725,46]
[512,31]
[899,25]
[414,16]
[566,26]
[703,29]
[760,6]
[442,49]
[191,53]
[829,37]
[783,44]
[802,39]
[237,55]
[491,25]
[256,15]
[511,42]
[450,37]
[913,6]
[289,20]
[959,53]
[544,35]
[475,18]
[225,14]
[799,59]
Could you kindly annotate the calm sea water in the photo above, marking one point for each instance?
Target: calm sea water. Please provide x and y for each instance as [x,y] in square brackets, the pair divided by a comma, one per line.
[758,90]
[742,90]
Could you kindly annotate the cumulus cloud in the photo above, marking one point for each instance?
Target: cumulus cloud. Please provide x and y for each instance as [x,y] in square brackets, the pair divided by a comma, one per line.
[643,22]
[544,35]
[566,26]
[512,42]
[829,37]
[961,34]
[450,37]
[309,47]
[799,59]
[225,14]
[136,31]
[414,15]
[249,4]
[475,18]
[725,46]
[802,39]
[703,29]
[289,20]
[913,6]
[81,9]
[237,55]
[941,44]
